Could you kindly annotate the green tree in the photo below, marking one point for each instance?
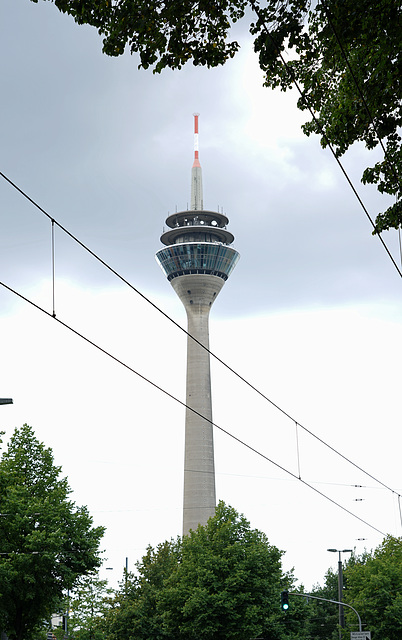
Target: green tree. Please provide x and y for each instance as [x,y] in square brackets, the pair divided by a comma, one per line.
[87,607]
[135,611]
[345,56]
[227,582]
[222,580]
[348,63]
[46,542]
[323,617]
[374,589]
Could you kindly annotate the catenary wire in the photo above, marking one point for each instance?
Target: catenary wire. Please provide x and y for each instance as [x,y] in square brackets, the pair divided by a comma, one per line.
[170,395]
[363,99]
[322,132]
[259,477]
[217,358]
[360,92]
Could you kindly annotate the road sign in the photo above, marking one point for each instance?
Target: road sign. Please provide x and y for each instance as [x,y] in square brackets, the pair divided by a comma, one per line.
[360,635]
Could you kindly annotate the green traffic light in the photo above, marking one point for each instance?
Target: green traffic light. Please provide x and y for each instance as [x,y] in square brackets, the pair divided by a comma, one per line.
[285,600]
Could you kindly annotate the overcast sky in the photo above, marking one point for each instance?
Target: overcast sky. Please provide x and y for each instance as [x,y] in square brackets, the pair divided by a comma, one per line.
[310,316]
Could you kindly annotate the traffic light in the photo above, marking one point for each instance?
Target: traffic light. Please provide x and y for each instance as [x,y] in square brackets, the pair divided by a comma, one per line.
[285,600]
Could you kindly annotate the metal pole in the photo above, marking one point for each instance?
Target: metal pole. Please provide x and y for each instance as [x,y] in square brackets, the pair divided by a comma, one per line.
[340,594]
[340,588]
[308,595]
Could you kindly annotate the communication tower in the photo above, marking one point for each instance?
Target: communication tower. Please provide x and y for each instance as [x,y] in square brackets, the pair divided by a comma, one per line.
[197,260]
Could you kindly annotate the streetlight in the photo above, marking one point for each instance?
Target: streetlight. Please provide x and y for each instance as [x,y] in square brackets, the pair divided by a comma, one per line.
[6,401]
[340,585]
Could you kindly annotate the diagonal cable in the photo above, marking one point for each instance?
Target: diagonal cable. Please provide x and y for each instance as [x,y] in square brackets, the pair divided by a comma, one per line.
[176,324]
[170,395]
[357,85]
[289,70]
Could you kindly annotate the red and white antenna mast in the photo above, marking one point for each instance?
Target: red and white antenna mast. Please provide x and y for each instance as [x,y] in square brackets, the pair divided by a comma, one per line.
[196,174]
[196,158]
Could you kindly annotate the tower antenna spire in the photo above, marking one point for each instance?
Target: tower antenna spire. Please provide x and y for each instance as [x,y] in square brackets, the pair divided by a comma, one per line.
[196,157]
[197,203]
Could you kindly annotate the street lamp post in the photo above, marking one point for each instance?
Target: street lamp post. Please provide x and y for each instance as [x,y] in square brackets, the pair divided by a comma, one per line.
[340,586]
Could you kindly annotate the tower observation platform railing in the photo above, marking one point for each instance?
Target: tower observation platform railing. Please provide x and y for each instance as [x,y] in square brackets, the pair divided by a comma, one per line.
[197,216]
[196,226]
[197,221]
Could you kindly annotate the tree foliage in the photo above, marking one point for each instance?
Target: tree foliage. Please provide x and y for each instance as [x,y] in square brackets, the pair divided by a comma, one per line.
[348,63]
[374,589]
[164,33]
[346,58]
[227,582]
[87,607]
[323,617]
[222,580]
[46,541]
[135,611]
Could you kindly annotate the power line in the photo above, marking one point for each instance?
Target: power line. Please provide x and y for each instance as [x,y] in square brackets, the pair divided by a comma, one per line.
[253,477]
[176,324]
[170,395]
[363,99]
[322,132]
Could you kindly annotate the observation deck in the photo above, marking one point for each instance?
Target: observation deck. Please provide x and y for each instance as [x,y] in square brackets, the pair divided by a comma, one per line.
[197,242]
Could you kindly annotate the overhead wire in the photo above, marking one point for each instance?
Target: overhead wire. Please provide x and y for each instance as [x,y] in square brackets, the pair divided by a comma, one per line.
[368,111]
[176,324]
[240,441]
[289,70]
[360,92]
[257,477]
[170,395]
[149,301]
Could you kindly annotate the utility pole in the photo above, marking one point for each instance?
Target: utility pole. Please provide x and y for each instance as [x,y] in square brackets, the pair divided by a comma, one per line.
[340,588]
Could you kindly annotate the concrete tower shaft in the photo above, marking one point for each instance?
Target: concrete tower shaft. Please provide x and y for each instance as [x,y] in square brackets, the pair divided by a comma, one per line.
[198,293]
[197,260]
